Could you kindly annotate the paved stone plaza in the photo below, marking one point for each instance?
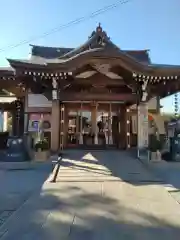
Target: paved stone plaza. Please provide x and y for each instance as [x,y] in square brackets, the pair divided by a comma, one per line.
[17,183]
[98,195]
[169,172]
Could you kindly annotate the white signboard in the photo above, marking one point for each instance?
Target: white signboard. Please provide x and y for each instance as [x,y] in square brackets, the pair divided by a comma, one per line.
[143,127]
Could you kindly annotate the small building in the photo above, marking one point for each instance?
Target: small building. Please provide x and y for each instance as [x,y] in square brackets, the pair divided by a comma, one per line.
[95,95]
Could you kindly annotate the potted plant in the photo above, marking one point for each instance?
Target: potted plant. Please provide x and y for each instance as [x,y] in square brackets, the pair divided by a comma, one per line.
[42,151]
[154,148]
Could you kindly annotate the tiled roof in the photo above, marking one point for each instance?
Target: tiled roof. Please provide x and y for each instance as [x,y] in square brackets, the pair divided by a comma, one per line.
[140,55]
[98,39]
[54,52]
[49,52]
[157,65]
[6,69]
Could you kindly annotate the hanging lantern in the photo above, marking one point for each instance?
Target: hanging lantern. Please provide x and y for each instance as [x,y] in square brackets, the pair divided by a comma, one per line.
[176,105]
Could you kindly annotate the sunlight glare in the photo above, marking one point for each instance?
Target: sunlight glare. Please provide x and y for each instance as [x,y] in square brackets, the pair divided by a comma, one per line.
[89,156]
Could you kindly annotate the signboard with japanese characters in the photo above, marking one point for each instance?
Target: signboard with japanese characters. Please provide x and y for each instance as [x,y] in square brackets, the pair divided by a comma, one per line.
[143,126]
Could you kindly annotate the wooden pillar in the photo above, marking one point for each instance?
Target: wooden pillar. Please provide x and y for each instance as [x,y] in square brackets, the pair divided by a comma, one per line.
[26,117]
[13,114]
[77,127]
[94,122]
[66,124]
[62,126]
[81,127]
[21,117]
[55,117]
[27,136]
[55,125]
[128,127]
[110,142]
[125,134]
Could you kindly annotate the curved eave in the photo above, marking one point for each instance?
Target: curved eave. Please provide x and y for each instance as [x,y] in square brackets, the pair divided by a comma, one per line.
[120,58]
[168,70]
[99,54]
[79,49]
[92,41]
[115,57]
[7,72]
[79,60]
[139,55]
[18,64]
[41,46]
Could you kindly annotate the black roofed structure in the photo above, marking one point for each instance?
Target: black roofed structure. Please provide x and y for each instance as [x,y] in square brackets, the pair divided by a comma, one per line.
[49,52]
[90,89]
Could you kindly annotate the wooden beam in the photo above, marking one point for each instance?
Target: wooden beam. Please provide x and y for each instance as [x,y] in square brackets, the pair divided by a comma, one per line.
[64,96]
[39,110]
[7,107]
[100,79]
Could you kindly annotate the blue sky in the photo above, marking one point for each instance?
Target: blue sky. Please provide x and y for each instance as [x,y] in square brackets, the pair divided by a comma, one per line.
[138,24]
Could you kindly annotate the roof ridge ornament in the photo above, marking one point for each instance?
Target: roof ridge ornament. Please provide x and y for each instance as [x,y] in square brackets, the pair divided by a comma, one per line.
[99,28]
[99,31]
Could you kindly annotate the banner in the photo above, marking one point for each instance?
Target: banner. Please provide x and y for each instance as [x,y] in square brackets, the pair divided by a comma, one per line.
[134,124]
[143,126]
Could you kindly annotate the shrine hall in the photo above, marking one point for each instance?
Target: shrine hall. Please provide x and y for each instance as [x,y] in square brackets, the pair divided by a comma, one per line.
[96,95]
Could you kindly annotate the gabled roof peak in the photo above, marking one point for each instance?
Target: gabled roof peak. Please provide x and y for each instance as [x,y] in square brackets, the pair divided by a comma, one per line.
[99,31]
[99,28]
[97,40]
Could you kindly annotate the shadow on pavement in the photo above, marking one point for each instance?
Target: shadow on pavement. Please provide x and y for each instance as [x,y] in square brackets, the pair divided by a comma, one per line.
[73,213]
[118,164]
[16,186]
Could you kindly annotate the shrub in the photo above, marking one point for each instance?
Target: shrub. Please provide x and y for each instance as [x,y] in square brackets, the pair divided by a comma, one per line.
[42,145]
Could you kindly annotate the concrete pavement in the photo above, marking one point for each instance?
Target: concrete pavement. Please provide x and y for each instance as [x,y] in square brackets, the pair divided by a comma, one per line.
[104,166]
[17,184]
[99,195]
[169,172]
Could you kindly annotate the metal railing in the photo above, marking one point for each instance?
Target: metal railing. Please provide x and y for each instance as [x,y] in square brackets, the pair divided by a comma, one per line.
[57,168]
